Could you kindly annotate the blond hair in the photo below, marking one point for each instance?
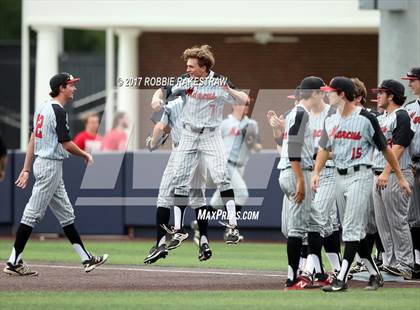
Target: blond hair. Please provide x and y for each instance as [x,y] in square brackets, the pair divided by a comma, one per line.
[202,53]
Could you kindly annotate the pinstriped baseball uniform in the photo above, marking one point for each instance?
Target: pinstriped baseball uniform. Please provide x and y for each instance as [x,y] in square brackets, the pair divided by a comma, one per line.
[297,146]
[234,132]
[351,140]
[171,117]
[391,206]
[413,109]
[50,130]
[323,212]
[201,137]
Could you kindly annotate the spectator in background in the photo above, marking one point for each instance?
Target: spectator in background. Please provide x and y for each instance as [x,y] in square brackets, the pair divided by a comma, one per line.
[88,140]
[116,138]
[3,159]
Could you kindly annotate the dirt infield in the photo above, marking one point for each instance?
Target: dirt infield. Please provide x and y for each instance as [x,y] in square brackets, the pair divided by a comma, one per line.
[149,278]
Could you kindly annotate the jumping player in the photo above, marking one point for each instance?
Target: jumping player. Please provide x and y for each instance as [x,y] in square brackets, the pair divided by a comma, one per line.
[50,142]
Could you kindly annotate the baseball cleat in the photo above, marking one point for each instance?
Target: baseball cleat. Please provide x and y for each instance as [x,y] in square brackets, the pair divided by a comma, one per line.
[375,282]
[407,274]
[298,284]
[233,236]
[94,262]
[204,252]
[335,286]
[177,238]
[358,267]
[320,280]
[21,269]
[156,253]
[416,272]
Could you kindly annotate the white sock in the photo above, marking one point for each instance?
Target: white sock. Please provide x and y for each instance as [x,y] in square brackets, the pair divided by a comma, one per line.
[334,260]
[302,263]
[162,241]
[290,273]
[316,262]
[417,256]
[309,266]
[231,209]
[177,218]
[371,269]
[82,253]
[203,239]
[13,259]
[342,276]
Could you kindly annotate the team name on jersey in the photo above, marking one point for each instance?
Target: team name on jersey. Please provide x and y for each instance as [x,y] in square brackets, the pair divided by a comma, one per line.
[342,134]
[200,95]
[234,132]
[317,133]
[415,118]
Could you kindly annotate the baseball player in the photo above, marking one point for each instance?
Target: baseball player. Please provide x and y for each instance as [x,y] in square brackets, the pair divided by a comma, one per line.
[50,142]
[201,137]
[296,163]
[372,234]
[241,137]
[171,118]
[277,124]
[391,206]
[413,109]
[350,135]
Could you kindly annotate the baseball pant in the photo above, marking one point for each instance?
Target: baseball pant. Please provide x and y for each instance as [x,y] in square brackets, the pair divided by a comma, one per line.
[391,210]
[207,145]
[353,190]
[297,222]
[414,210]
[323,204]
[197,197]
[239,188]
[370,220]
[49,191]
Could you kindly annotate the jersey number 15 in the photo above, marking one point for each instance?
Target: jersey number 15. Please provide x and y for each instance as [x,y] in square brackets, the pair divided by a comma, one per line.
[38,127]
[356,153]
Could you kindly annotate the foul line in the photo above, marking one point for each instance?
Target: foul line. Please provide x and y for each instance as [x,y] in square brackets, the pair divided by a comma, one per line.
[169,271]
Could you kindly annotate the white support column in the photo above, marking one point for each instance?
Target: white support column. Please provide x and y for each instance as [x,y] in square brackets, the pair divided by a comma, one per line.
[128,97]
[24,88]
[47,51]
[109,79]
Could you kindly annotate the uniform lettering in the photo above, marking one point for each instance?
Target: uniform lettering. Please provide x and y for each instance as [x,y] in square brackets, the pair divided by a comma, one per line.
[38,127]
[351,135]
[317,133]
[356,153]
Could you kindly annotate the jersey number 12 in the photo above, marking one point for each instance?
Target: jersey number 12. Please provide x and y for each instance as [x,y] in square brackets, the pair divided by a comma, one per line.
[38,127]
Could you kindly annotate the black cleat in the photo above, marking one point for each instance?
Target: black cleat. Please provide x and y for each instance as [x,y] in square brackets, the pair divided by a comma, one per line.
[94,262]
[20,269]
[375,282]
[156,253]
[204,252]
[335,286]
[177,238]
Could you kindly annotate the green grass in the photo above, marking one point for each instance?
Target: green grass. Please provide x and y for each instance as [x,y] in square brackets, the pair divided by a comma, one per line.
[258,256]
[353,299]
[268,256]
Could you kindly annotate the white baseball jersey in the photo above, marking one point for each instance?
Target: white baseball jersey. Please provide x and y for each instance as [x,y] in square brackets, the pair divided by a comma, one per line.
[397,129]
[351,138]
[233,133]
[297,139]
[203,103]
[316,122]
[50,130]
[170,117]
[413,109]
